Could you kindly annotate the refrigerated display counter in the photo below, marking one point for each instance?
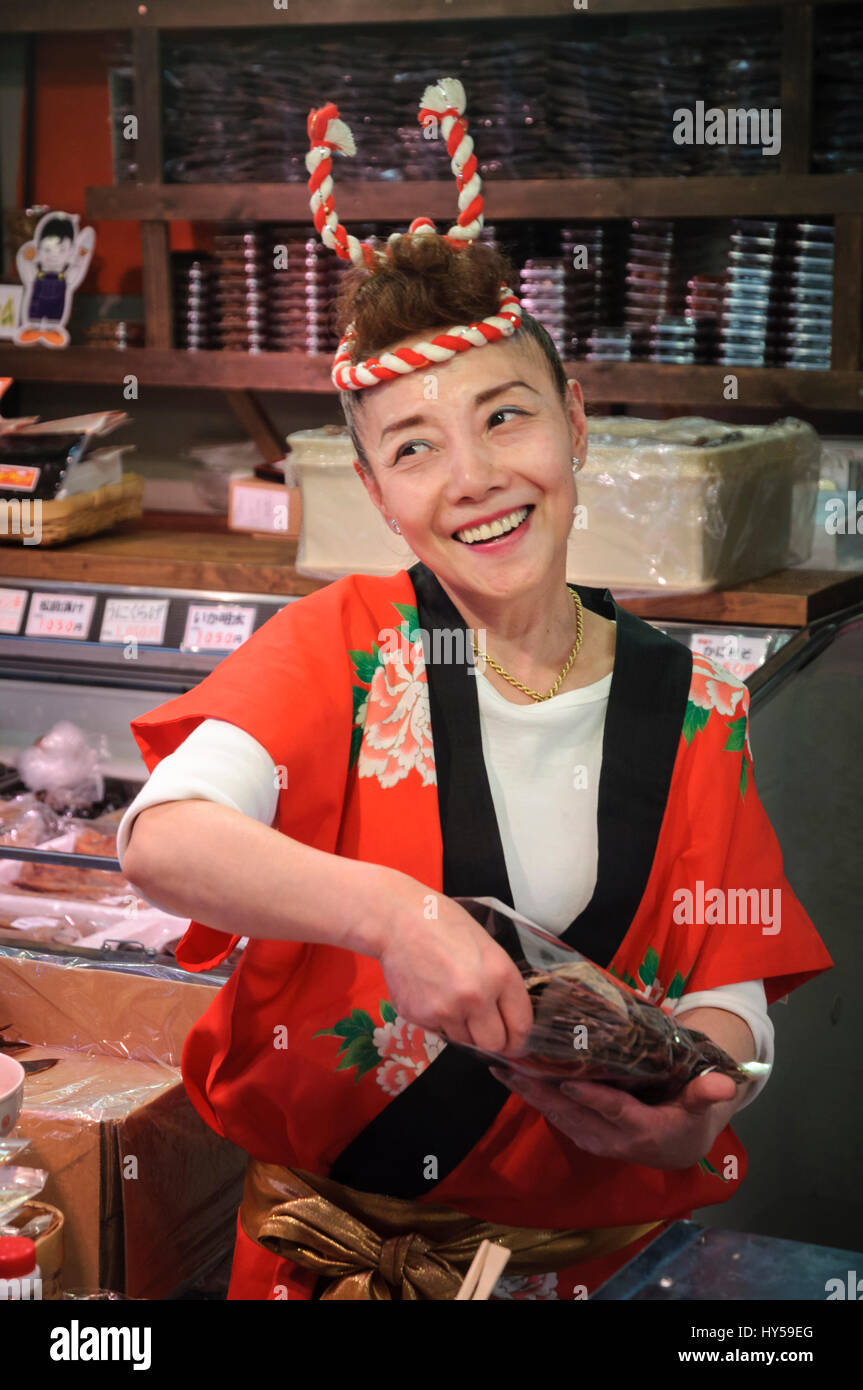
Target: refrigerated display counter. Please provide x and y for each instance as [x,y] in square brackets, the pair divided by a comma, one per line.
[93,656]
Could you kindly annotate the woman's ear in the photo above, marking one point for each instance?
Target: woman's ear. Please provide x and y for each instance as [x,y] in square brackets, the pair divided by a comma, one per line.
[577,419]
[369,482]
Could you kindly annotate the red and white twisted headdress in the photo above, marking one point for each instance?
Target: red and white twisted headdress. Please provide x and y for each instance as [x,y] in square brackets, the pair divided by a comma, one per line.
[445,102]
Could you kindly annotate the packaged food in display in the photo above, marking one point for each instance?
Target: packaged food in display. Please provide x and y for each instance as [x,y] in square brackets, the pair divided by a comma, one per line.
[26,822]
[64,766]
[62,880]
[56,930]
[590,1026]
[35,466]
[691,504]
[116,333]
[100,423]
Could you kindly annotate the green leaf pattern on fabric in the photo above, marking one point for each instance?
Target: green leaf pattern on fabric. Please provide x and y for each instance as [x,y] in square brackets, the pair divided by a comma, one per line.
[648,967]
[357,1046]
[694,721]
[707,1167]
[397,1050]
[714,688]
[365,663]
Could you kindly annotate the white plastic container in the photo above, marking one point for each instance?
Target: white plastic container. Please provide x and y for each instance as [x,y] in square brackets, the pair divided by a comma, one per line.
[692,504]
[671,505]
[341,531]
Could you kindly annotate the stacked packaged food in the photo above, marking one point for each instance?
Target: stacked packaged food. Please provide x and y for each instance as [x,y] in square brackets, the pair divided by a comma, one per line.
[54,798]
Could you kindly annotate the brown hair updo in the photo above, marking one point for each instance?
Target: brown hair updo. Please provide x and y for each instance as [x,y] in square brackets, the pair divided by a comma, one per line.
[425,285]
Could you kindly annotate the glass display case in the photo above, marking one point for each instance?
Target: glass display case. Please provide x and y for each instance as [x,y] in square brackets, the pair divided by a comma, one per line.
[77,663]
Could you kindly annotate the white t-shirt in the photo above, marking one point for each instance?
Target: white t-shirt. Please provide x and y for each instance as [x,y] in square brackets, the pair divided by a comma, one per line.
[543,762]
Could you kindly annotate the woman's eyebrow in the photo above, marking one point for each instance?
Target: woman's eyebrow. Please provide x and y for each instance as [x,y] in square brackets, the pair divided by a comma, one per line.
[410,420]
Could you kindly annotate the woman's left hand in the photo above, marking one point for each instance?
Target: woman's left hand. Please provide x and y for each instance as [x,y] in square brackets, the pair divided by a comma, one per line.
[605,1121]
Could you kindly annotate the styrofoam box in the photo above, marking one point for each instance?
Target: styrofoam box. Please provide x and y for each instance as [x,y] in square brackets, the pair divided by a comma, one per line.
[686,504]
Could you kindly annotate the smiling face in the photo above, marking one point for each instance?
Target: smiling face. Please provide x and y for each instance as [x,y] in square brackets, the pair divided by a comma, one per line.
[482,441]
[54,253]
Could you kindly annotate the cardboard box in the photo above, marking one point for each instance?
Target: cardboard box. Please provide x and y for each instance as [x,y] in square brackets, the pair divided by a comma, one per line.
[148,1192]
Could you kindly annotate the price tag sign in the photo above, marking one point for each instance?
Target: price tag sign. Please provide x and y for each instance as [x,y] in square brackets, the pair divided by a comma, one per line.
[12,605]
[259,506]
[217,627]
[140,618]
[60,615]
[739,655]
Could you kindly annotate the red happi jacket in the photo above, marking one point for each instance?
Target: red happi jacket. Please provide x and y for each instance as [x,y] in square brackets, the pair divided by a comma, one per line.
[382,759]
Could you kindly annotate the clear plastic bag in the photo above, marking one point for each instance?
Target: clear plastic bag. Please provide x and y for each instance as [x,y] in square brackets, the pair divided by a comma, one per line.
[26,822]
[18,1186]
[692,504]
[589,1026]
[64,765]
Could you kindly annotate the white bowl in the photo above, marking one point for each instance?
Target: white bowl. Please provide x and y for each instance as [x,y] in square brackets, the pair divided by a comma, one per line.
[11,1093]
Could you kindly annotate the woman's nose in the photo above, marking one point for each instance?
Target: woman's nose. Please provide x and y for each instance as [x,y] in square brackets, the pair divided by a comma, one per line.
[474,470]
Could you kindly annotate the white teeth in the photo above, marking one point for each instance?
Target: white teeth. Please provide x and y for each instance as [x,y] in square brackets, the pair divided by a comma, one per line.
[499,527]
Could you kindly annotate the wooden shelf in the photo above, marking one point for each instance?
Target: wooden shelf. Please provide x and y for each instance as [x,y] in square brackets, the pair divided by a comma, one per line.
[787,190]
[59,16]
[790,598]
[185,555]
[628,382]
[720,195]
[185,552]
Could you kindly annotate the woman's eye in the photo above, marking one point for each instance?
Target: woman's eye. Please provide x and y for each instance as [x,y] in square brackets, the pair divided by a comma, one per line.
[413,443]
[507,410]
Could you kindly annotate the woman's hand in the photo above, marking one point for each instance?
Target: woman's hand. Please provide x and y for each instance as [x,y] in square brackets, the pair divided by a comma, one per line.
[448,976]
[610,1123]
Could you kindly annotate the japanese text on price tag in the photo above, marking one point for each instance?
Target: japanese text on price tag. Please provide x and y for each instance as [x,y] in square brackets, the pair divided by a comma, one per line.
[739,655]
[141,618]
[212,627]
[60,615]
[12,605]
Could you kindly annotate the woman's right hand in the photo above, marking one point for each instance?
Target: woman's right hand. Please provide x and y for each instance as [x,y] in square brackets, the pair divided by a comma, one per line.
[448,976]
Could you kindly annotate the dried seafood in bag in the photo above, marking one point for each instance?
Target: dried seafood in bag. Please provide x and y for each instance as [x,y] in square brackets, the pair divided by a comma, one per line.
[589,1026]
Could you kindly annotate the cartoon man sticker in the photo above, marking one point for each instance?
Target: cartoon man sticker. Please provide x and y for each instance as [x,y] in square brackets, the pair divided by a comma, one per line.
[51,267]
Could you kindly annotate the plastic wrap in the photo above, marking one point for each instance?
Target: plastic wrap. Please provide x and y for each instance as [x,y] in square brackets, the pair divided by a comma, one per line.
[148,1192]
[18,1186]
[70,905]
[691,504]
[26,822]
[65,764]
[589,1026]
[681,505]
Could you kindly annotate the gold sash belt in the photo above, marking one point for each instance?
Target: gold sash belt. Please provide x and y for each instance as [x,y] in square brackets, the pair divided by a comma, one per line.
[374,1247]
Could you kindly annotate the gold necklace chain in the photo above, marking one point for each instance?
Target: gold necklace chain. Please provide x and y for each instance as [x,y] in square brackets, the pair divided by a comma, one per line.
[535,694]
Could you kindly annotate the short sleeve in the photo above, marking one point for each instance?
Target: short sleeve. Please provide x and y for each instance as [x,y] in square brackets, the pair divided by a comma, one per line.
[289,688]
[217,762]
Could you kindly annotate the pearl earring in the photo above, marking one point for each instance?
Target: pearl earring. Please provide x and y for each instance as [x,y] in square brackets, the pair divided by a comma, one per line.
[394,524]
[576,463]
